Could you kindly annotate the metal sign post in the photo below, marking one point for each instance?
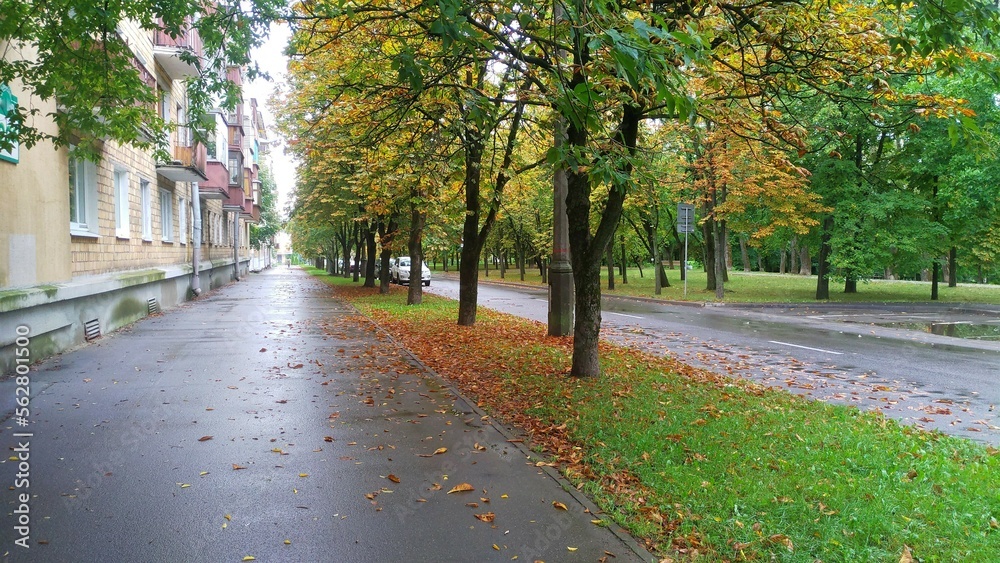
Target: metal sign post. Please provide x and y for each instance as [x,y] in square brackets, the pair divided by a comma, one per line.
[685,224]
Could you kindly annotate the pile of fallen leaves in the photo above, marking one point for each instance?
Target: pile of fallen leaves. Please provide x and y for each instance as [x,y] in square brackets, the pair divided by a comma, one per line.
[697,464]
[488,363]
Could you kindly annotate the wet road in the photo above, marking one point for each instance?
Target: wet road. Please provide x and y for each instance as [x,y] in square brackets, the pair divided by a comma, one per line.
[269,420]
[832,353]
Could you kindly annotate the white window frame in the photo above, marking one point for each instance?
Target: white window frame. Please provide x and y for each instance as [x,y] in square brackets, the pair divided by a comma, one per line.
[147,210]
[165,104]
[182,220]
[166,216]
[82,182]
[121,202]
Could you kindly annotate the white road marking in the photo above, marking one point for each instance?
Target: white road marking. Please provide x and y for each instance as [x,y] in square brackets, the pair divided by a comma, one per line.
[805,347]
[623,315]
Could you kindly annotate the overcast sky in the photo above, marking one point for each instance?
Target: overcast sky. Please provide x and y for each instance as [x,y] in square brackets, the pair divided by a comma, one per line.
[272,60]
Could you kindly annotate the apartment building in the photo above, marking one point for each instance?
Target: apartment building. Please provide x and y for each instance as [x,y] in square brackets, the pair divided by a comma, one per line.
[86,248]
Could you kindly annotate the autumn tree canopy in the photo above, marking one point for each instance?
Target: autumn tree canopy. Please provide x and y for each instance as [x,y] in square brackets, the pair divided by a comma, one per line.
[773,95]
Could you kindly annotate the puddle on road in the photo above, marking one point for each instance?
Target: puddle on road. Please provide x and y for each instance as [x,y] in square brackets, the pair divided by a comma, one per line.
[970,330]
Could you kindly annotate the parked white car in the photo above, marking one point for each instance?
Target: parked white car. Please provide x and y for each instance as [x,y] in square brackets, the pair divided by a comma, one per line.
[399,271]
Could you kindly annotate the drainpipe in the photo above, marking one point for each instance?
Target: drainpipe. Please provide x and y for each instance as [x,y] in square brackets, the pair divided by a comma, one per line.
[236,244]
[196,243]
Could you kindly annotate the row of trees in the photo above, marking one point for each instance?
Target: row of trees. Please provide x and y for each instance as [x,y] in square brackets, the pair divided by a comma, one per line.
[854,129]
[857,127]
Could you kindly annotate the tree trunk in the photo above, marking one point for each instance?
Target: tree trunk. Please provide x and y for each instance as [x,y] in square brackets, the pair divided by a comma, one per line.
[823,278]
[610,253]
[720,261]
[664,280]
[936,269]
[468,283]
[744,254]
[473,234]
[370,253]
[851,283]
[805,263]
[793,265]
[638,263]
[657,262]
[782,262]
[586,248]
[356,275]
[953,267]
[624,263]
[729,250]
[386,231]
[415,295]
[708,233]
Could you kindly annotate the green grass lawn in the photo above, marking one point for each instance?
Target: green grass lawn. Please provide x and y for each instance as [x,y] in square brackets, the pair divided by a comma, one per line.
[757,287]
[709,468]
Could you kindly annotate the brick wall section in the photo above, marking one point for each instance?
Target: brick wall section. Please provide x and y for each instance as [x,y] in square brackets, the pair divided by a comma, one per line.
[108,252]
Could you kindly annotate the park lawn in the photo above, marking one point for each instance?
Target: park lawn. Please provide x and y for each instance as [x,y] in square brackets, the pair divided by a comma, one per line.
[698,465]
[758,287]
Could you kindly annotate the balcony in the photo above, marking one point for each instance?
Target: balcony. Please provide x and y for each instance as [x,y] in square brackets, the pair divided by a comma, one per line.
[168,52]
[235,200]
[254,215]
[188,164]
[217,185]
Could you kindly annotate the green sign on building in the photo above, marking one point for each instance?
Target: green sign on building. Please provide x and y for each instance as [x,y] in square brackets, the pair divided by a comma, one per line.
[8,104]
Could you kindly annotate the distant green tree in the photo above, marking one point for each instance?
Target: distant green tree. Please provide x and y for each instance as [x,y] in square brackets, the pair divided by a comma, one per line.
[270,222]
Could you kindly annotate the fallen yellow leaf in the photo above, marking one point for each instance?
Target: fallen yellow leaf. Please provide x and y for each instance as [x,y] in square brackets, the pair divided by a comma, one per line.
[288,542]
[486,516]
[572,548]
[303,474]
[496,547]
[440,451]
[461,488]
[249,558]
[228,516]
[559,505]
[907,556]
[185,485]
[393,478]
[237,467]
[203,473]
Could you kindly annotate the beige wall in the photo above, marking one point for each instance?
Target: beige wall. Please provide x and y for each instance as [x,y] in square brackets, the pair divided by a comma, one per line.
[34,210]
[36,246]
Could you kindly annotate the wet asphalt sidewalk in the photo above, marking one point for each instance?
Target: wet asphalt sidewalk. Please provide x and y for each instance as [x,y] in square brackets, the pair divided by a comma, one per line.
[269,420]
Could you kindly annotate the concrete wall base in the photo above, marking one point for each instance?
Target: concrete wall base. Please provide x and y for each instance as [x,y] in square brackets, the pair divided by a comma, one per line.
[56,316]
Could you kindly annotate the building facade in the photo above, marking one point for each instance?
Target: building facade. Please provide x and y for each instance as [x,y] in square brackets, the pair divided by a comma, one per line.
[88,247]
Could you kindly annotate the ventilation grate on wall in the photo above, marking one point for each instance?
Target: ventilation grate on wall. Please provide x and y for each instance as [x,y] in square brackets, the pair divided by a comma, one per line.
[92,329]
[152,306]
